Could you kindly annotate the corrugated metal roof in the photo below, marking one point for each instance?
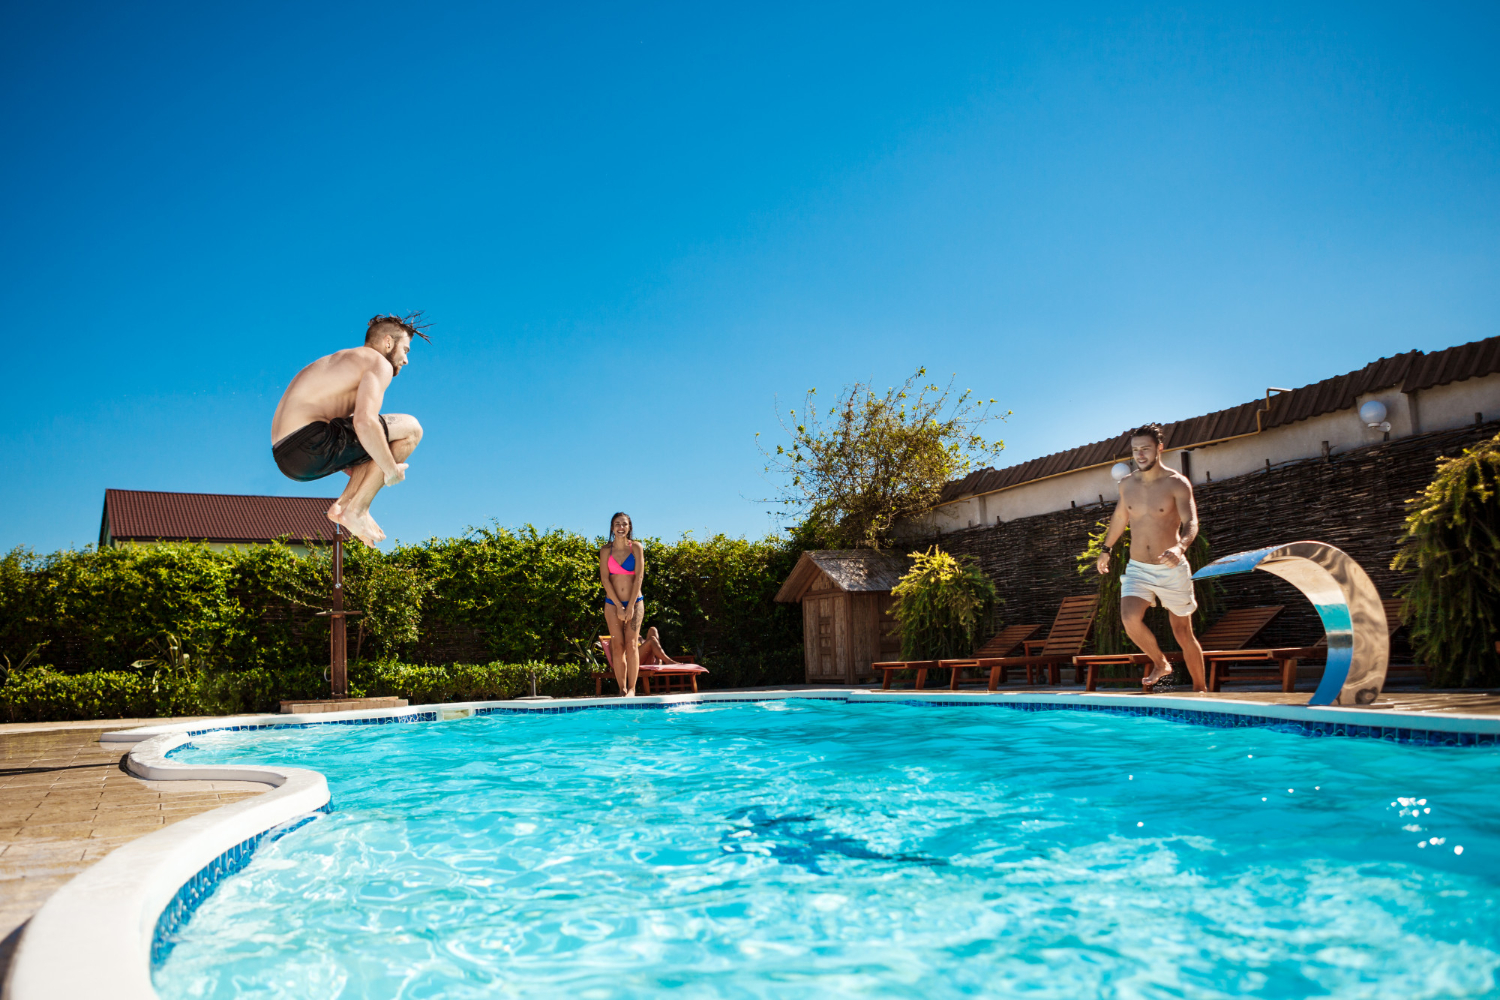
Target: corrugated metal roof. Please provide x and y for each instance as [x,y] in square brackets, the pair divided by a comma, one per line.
[143,515]
[1413,371]
[1454,365]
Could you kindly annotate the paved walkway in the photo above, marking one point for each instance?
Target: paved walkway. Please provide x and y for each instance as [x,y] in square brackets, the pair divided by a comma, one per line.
[65,802]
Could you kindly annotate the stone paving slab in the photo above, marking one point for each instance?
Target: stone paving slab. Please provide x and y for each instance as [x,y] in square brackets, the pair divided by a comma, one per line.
[66,802]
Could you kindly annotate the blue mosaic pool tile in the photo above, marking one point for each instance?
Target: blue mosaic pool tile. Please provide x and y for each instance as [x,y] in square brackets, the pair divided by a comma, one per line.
[1230,720]
[202,885]
[377,721]
[624,704]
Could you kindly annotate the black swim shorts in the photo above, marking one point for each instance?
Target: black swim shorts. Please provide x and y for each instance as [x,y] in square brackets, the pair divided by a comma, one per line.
[321,449]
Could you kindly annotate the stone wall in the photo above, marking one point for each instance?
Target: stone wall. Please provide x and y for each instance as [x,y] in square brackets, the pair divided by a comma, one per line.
[1355,501]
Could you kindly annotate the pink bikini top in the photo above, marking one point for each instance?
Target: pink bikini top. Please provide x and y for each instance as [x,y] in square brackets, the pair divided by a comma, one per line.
[627,568]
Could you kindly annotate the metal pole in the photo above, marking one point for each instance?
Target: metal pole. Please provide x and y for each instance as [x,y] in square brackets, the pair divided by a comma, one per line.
[337,640]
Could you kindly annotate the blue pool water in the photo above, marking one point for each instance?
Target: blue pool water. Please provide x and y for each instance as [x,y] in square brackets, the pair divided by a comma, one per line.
[807,849]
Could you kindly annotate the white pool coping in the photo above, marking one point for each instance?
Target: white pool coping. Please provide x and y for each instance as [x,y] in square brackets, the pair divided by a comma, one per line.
[93,938]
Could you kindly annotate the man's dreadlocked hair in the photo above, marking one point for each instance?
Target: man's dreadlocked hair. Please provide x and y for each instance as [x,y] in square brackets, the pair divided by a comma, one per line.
[411,323]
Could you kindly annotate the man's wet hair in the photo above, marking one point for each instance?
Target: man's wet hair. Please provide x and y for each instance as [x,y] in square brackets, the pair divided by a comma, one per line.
[412,323]
[1152,431]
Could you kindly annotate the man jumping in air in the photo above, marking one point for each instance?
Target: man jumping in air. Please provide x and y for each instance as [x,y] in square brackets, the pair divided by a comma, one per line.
[1157,505]
[329,421]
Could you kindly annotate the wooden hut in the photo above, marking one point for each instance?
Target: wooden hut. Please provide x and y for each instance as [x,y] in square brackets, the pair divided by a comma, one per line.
[845,595]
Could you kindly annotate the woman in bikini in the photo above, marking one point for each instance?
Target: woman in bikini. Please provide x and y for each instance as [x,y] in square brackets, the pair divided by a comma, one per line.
[622,566]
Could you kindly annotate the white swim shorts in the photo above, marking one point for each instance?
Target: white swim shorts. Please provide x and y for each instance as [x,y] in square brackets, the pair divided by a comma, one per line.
[1170,586]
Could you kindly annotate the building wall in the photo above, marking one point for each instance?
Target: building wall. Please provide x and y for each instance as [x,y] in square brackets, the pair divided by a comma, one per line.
[1355,500]
[1447,407]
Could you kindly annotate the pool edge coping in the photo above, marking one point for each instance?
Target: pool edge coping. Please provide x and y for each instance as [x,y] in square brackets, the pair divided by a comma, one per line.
[118,903]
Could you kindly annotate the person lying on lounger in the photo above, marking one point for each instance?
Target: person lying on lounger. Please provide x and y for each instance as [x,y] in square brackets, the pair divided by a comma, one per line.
[652,655]
[649,650]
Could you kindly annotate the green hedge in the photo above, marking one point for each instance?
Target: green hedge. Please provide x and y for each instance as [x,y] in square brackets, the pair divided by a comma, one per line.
[45,695]
[246,618]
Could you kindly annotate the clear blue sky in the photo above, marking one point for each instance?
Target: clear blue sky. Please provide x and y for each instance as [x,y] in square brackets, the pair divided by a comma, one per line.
[634,227]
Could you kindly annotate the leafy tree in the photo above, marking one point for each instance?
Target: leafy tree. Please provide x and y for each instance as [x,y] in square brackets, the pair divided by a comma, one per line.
[940,604]
[1452,544]
[851,472]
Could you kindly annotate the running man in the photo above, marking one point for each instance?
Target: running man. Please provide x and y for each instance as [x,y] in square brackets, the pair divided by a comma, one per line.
[1157,505]
[329,421]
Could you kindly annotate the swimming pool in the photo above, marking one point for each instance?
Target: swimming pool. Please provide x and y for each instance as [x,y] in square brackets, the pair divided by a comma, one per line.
[802,848]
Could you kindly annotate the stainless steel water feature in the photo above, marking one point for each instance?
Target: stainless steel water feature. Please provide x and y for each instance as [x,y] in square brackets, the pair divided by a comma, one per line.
[1359,645]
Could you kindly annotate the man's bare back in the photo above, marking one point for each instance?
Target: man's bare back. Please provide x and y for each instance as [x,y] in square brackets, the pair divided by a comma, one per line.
[327,388]
[1156,504]
[329,420]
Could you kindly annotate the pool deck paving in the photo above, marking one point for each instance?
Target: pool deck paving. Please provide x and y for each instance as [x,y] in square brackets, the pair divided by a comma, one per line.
[66,800]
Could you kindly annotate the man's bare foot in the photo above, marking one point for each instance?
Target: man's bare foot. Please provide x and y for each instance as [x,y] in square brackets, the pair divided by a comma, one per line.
[335,512]
[362,526]
[1157,674]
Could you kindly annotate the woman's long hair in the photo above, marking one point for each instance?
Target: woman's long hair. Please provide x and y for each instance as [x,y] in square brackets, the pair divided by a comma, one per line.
[629,532]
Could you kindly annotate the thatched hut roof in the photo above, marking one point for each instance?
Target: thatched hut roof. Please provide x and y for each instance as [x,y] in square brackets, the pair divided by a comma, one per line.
[852,570]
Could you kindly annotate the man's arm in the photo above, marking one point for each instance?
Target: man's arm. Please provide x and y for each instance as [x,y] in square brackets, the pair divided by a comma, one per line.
[367,425]
[1187,527]
[1118,522]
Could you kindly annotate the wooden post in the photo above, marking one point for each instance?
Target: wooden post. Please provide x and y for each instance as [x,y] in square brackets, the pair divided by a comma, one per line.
[337,639]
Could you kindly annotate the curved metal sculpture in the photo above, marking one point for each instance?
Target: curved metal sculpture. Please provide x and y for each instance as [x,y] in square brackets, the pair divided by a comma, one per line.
[1359,645]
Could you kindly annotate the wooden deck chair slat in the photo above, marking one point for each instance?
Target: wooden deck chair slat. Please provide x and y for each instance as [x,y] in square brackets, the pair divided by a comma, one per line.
[1007,640]
[1236,628]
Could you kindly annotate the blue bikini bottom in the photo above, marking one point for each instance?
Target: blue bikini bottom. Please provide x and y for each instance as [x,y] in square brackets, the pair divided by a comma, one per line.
[611,603]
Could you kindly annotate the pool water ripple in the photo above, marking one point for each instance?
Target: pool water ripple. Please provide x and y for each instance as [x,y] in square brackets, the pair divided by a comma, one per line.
[810,849]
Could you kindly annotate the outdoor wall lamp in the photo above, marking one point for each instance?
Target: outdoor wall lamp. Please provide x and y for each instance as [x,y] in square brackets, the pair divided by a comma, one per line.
[1373,415]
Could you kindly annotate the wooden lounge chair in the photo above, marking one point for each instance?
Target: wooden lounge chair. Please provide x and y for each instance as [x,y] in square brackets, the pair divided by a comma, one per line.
[1016,637]
[678,676]
[1005,643]
[1224,666]
[1233,631]
[1070,629]
[1064,642]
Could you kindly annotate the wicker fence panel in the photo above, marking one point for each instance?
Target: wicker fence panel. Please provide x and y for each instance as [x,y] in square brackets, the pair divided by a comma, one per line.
[1355,500]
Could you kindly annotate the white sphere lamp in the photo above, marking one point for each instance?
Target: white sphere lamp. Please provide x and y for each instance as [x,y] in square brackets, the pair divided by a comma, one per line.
[1120,470]
[1373,414]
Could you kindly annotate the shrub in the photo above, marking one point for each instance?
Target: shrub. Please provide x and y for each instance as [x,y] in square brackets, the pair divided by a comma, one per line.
[1452,544]
[515,596]
[940,603]
[45,695]
[424,684]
